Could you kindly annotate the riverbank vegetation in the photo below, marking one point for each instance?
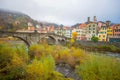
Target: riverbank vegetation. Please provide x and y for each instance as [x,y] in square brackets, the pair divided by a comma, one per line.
[99,67]
[39,60]
[16,64]
[104,48]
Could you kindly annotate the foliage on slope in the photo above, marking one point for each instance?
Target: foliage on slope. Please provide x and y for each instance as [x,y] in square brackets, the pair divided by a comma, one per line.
[12,21]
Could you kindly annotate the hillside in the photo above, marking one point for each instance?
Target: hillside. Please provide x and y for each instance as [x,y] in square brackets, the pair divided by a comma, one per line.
[11,20]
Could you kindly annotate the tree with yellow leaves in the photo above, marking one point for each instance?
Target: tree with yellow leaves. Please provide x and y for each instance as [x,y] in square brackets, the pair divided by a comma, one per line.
[74,35]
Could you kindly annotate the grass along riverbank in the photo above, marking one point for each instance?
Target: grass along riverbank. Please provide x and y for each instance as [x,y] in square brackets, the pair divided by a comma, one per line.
[99,48]
[39,63]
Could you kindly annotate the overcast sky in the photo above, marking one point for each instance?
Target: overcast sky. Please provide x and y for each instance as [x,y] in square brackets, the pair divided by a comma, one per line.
[66,12]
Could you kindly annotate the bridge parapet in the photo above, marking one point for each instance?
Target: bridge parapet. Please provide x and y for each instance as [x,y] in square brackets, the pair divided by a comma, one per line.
[31,37]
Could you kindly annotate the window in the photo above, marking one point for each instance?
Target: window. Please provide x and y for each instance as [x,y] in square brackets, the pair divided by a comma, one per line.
[99,35]
[93,35]
[93,25]
[93,31]
[89,28]
[103,35]
[101,32]
[93,28]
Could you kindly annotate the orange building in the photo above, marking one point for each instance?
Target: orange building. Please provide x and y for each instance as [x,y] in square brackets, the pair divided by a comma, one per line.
[31,28]
[83,31]
[51,29]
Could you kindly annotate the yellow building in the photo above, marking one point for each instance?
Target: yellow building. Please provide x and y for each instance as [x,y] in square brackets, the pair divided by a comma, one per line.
[102,34]
[109,32]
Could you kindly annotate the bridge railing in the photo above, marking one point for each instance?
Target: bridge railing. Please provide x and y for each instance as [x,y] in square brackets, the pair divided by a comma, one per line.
[15,33]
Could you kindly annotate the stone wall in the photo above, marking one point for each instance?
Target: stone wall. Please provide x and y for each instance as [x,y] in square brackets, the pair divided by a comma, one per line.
[90,43]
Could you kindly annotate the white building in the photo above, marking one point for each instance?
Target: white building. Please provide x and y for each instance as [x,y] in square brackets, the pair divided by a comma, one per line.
[79,32]
[67,33]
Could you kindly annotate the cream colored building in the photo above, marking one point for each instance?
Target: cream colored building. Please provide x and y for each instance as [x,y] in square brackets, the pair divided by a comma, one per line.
[91,30]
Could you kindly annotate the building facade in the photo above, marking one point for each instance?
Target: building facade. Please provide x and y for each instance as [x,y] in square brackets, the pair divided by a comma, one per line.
[102,34]
[91,30]
[116,30]
[82,27]
[109,32]
[116,33]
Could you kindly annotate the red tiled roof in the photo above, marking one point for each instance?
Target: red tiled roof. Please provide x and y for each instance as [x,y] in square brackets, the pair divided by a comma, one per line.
[82,25]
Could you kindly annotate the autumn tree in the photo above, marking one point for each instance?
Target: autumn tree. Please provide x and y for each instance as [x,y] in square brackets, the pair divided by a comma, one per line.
[74,37]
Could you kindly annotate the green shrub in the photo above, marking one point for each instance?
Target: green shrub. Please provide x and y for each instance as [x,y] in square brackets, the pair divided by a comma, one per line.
[99,67]
[94,39]
[113,48]
[108,48]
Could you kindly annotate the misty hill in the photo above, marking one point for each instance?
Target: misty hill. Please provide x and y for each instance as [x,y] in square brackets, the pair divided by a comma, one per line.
[77,24]
[48,23]
[12,20]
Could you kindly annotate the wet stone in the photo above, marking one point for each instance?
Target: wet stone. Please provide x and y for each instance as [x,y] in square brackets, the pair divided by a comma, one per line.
[67,71]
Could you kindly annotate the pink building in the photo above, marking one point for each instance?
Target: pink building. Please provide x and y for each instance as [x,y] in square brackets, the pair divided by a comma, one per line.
[116,30]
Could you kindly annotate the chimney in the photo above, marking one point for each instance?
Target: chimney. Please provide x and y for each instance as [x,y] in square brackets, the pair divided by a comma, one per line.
[94,19]
[88,19]
[108,23]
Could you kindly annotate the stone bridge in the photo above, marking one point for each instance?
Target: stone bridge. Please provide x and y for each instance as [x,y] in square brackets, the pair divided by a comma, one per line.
[33,37]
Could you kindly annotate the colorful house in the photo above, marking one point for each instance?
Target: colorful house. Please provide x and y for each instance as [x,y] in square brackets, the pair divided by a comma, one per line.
[109,32]
[102,34]
[91,30]
[67,31]
[116,33]
[83,31]
[116,30]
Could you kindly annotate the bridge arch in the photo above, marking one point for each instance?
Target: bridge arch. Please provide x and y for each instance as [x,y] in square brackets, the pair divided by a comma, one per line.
[26,42]
[52,37]
[49,38]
